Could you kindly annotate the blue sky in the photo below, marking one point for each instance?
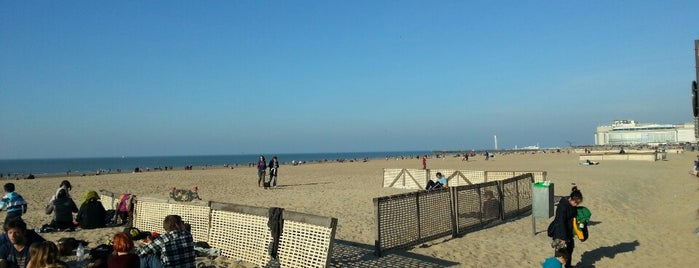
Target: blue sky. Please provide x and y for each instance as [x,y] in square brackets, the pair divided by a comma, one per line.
[150,78]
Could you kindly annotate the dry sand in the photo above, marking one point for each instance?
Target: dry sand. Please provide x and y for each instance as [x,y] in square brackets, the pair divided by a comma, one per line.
[643,213]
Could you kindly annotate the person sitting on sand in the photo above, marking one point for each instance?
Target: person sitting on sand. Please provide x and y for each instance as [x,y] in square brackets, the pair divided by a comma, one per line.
[175,248]
[62,208]
[45,254]
[15,251]
[440,183]
[65,186]
[123,255]
[91,214]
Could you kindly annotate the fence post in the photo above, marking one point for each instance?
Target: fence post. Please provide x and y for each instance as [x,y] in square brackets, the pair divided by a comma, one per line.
[417,206]
[428,175]
[501,198]
[453,199]
[377,223]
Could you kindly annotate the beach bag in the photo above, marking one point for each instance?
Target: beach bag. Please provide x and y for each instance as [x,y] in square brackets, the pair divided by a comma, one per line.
[125,201]
[102,251]
[66,245]
[109,216]
[580,223]
[580,230]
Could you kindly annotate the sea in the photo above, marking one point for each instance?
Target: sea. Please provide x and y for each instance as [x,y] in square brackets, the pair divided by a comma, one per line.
[10,168]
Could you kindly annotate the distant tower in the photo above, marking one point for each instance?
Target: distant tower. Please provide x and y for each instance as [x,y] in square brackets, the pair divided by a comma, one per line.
[696,57]
[495,137]
[695,91]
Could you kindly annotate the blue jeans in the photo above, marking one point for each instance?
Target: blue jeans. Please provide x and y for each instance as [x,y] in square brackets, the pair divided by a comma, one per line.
[150,261]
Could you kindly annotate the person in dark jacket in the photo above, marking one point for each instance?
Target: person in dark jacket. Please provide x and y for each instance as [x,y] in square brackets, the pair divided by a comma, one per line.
[63,208]
[261,168]
[91,214]
[561,228]
[14,252]
[273,169]
[66,186]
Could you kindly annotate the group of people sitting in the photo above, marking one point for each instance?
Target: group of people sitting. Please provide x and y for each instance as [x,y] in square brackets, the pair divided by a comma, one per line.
[90,215]
[23,248]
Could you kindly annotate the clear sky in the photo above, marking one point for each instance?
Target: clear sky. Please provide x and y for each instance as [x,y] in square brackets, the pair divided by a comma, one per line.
[151,78]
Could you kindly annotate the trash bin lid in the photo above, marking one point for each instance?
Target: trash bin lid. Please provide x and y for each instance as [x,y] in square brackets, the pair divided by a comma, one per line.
[542,184]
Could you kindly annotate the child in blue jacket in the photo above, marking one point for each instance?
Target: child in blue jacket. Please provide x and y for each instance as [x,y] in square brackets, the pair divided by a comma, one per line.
[13,202]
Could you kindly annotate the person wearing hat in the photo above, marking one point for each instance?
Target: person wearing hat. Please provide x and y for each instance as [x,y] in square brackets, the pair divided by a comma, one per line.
[91,214]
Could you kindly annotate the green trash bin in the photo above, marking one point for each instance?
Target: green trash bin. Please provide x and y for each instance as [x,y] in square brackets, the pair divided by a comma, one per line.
[542,200]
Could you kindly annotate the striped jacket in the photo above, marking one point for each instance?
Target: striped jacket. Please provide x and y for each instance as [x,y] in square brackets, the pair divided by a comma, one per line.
[13,202]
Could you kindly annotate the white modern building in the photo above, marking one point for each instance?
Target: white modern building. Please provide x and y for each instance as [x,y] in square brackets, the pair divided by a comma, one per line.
[629,132]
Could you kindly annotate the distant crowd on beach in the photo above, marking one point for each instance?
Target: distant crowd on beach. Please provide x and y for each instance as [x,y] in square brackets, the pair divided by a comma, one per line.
[465,156]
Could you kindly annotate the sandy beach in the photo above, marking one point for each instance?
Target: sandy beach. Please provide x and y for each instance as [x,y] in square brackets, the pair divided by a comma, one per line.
[643,213]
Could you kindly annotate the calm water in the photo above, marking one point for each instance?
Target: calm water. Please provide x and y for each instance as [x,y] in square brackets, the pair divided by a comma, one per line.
[127,164]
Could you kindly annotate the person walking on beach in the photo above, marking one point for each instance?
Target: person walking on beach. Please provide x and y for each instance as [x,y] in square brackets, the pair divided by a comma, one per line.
[273,169]
[261,168]
[13,202]
[424,162]
[561,228]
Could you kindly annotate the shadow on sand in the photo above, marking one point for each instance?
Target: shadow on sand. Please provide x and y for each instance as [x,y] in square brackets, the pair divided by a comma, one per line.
[589,258]
[301,184]
[352,254]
